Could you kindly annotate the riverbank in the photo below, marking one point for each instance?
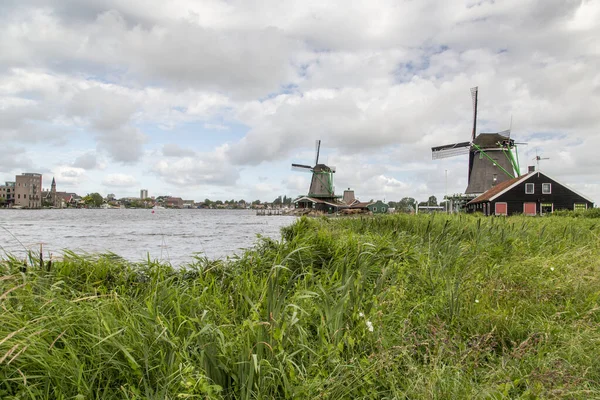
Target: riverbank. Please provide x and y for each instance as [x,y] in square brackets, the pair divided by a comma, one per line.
[394,306]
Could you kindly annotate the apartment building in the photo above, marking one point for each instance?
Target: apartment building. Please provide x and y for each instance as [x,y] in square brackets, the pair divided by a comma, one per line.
[28,190]
[7,194]
[143,194]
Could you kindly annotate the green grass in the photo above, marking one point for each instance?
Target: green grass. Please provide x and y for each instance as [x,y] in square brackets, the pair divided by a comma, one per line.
[388,307]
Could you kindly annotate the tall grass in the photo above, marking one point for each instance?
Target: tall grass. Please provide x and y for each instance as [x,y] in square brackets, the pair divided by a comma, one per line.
[381,307]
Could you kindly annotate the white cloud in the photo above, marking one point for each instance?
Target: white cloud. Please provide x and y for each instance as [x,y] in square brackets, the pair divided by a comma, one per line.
[200,169]
[68,176]
[119,180]
[260,81]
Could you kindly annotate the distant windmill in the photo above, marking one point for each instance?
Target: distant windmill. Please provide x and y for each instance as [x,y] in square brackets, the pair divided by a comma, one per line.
[491,159]
[538,158]
[321,184]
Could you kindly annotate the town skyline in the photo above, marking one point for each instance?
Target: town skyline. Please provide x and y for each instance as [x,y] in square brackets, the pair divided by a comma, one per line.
[216,99]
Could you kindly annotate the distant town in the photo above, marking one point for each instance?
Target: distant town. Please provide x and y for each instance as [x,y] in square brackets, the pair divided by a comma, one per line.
[26,192]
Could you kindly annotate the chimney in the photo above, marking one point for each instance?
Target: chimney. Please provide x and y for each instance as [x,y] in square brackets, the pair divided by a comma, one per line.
[531,168]
[348,196]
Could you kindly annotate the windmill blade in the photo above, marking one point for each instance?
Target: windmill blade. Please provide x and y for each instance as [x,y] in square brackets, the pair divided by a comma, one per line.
[298,169]
[302,167]
[450,150]
[318,149]
[474,92]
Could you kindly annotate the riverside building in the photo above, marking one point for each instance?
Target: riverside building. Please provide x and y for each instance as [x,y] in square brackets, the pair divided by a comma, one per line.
[28,190]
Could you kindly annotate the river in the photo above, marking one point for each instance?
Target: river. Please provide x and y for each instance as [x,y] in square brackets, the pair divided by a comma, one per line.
[168,235]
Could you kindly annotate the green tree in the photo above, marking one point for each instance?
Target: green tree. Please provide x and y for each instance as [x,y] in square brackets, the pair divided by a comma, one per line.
[406,204]
[432,201]
[93,199]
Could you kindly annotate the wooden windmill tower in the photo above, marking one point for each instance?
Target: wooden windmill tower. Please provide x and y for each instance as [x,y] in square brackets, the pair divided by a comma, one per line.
[491,158]
[321,184]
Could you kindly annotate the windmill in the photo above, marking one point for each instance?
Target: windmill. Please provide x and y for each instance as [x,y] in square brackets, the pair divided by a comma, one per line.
[321,184]
[538,158]
[491,159]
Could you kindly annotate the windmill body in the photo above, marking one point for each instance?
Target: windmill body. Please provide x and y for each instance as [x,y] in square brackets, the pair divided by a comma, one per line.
[491,158]
[321,193]
[488,171]
[321,184]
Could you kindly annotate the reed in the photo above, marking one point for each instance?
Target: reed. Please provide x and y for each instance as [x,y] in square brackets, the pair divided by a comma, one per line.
[398,306]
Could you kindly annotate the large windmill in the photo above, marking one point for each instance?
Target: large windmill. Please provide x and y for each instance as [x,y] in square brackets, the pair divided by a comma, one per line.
[321,184]
[491,158]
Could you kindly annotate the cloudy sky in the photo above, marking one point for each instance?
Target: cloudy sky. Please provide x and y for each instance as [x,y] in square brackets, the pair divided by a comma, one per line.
[216,98]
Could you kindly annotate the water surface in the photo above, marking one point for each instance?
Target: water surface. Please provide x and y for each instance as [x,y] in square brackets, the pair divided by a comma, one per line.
[167,235]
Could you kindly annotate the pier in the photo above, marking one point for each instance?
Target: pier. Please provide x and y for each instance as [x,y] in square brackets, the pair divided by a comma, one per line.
[276,211]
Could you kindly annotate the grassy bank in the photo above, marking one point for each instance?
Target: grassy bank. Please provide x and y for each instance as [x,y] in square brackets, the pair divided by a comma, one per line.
[381,307]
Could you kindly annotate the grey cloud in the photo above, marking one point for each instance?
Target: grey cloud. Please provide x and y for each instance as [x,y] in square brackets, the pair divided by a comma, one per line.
[86,161]
[14,158]
[174,150]
[26,121]
[240,61]
[123,144]
[110,117]
[105,109]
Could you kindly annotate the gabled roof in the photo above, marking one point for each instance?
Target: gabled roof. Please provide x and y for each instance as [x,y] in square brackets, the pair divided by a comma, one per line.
[498,189]
[320,201]
[361,204]
[505,186]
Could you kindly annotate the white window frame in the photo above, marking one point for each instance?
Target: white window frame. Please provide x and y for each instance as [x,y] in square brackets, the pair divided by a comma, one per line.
[532,186]
[542,205]
[574,204]
[374,209]
[496,205]
[549,188]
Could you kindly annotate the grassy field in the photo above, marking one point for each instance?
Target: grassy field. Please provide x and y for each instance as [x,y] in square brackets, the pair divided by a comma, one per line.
[434,307]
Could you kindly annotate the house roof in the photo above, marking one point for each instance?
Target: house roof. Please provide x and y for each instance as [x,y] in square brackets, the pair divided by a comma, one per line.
[359,204]
[320,201]
[505,186]
[498,189]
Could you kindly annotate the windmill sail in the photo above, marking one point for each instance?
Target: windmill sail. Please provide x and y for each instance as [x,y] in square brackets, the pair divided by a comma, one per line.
[450,150]
[317,150]
[491,160]
[303,167]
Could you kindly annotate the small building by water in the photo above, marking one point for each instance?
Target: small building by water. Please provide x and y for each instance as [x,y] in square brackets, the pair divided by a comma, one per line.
[378,207]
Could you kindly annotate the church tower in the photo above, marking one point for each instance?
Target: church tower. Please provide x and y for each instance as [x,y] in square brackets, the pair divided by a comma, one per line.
[53,193]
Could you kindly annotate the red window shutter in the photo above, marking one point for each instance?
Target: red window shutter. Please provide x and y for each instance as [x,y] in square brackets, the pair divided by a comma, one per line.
[529,209]
[501,209]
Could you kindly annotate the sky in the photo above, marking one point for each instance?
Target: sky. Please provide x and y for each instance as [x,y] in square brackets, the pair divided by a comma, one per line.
[216,98]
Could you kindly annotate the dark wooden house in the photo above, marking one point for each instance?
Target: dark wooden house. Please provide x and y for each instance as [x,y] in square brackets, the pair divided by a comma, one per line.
[313,203]
[534,193]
